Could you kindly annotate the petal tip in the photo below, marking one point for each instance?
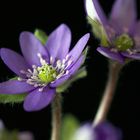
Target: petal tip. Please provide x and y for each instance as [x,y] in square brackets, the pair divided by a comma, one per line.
[63,26]
[24,34]
[86,37]
[3,51]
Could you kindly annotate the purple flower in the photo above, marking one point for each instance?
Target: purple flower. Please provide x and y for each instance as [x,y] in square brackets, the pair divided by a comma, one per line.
[121,36]
[42,68]
[103,131]
[12,135]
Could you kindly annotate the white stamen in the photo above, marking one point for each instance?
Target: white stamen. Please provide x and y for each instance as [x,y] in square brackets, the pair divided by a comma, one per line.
[29,71]
[68,64]
[131,51]
[34,66]
[51,60]
[39,55]
[67,72]
[114,50]
[40,89]
[36,85]
[19,79]
[63,61]
[54,75]
[67,57]
[22,71]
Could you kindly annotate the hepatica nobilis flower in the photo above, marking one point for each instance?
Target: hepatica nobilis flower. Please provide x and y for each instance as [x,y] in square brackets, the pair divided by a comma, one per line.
[120,34]
[42,68]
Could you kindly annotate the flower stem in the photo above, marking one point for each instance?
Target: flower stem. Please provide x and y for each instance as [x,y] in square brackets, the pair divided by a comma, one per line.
[114,69]
[56,117]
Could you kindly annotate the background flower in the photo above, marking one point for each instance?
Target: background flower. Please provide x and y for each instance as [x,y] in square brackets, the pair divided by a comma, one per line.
[14,134]
[119,35]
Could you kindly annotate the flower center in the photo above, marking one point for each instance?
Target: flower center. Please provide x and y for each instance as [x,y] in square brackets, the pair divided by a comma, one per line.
[46,73]
[123,42]
[41,76]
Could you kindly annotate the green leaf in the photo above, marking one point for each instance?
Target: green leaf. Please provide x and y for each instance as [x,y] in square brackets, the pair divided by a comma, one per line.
[9,135]
[98,31]
[41,35]
[81,73]
[69,125]
[12,98]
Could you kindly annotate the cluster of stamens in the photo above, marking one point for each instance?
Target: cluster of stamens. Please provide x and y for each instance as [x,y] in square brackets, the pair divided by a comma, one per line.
[41,76]
[123,42]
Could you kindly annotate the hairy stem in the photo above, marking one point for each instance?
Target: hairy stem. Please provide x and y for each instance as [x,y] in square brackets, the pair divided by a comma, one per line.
[114,69]
[56,117]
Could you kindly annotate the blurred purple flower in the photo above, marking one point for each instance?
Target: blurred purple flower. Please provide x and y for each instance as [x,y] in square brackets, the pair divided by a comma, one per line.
[103,131]
[25,136]
[12,135]
[43,67]
[121,30]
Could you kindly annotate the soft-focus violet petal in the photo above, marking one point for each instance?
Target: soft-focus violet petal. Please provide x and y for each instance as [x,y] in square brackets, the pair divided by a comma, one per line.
[37,100]
[85,132]
[13,60]
[110,54]
[95,12]
[75,53]
[15,87]
[124,13]
[137,29]
[106,131]
[133,56]
[58,42]
[25,136]
[30,47]
[72,71]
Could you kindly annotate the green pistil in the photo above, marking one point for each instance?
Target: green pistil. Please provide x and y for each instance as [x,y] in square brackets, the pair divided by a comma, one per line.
[123,42]
[47,73]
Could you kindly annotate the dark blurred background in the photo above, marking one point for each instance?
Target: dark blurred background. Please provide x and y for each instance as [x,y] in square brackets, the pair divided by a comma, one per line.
[83,97]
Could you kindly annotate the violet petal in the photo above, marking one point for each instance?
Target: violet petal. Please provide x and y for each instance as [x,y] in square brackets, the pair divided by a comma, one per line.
[14,61]
[106,131]
[75,53]
[110,54]
[14,87]
[30,47]
[58,42]
[95,12]
[120,15]
[137,29]
[37,100]
[133,56]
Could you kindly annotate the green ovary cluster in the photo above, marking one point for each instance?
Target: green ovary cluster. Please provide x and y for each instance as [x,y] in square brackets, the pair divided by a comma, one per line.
[123,42]
[46,74]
